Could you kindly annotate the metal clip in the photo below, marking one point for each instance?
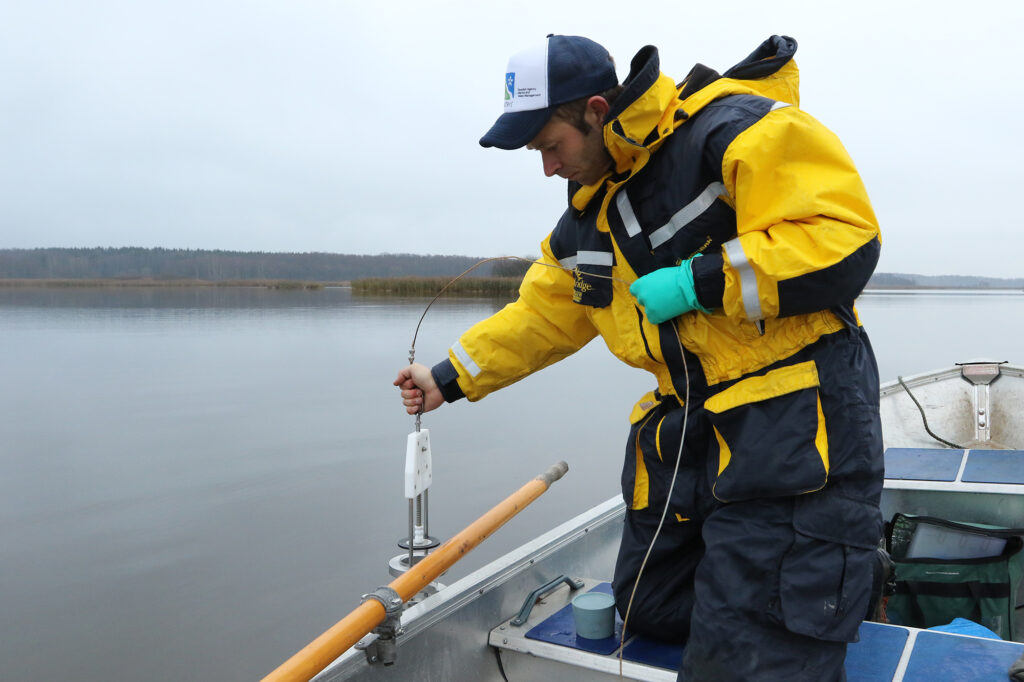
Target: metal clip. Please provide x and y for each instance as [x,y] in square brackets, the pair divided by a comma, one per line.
[379,646]
[412,359]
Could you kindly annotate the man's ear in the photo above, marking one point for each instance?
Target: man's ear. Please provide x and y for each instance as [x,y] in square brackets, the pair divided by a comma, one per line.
[598,106]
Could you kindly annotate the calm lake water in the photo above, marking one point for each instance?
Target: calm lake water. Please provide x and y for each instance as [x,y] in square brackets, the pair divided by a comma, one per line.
[194,483]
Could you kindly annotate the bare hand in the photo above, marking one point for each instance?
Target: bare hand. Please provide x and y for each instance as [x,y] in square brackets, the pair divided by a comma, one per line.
[419,390]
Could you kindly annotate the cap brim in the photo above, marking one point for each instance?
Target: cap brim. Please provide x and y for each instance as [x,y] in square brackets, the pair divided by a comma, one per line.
[514,130]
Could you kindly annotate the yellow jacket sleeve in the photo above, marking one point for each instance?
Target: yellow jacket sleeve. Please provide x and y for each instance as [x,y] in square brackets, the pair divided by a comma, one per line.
[542,327]
[807,237]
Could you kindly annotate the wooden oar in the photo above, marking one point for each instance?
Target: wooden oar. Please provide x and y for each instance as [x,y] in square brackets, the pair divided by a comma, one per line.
[319,653]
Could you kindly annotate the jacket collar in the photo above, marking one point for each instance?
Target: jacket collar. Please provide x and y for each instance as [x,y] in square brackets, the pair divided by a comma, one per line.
[639,118]
[651,106]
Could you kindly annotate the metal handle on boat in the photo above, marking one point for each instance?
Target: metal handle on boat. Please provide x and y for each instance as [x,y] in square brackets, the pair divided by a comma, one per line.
[319,653]
[524,613]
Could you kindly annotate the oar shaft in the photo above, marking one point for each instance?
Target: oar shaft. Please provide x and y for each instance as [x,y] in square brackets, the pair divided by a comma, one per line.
[319,653]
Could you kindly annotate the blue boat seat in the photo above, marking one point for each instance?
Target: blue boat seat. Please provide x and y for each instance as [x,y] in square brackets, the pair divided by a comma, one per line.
[559,628]
[952,658]
[922,464]
[929,656]
[994,466]
[936,464]
[877,655]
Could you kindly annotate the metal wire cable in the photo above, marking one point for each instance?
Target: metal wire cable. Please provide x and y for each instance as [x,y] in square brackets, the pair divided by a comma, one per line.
[925,418]
[682,438]
[412,347]
[668,498]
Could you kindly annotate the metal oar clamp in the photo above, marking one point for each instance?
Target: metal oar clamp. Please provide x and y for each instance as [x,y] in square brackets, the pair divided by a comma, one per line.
[379,646]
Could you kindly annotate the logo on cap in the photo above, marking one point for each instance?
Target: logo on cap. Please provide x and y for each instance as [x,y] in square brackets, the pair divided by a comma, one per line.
[510,85]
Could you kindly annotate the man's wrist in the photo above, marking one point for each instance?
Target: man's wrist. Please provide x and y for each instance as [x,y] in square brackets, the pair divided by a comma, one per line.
[447,379]
[684,277]
[708,280]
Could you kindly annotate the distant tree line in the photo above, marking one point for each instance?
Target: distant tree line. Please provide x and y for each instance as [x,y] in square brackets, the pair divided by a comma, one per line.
[224,266]
[887,280]
[159,263]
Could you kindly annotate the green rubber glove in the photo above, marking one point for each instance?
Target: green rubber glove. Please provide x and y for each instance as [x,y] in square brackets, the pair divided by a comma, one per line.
[667,293]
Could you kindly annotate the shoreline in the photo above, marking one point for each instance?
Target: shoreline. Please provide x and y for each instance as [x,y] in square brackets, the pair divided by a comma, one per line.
[146,282]
[391,285]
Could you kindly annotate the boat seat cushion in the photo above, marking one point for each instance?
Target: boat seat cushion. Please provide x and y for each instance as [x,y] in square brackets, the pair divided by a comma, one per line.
[559,628]
[994,466]
[941,656]
[922,464]
[877,654]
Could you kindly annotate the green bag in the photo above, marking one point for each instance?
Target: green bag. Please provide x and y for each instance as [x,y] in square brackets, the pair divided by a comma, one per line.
[948,569]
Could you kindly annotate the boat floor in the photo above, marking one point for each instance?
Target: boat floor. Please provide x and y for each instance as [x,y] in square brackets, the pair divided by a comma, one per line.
[546,647]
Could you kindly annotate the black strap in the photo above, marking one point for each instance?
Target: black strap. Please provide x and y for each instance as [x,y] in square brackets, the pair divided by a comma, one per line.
[972,588]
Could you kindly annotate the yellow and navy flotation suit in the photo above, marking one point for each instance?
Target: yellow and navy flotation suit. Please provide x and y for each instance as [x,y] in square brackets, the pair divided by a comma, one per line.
[728,167]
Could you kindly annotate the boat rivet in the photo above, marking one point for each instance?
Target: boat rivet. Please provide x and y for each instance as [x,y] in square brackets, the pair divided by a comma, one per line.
[504,641]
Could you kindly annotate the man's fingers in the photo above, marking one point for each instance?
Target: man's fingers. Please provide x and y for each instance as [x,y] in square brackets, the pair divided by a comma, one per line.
[414,397]
[413,401]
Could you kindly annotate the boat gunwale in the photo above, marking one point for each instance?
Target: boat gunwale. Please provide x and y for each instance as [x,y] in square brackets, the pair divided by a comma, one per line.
[420,617]
[925,378]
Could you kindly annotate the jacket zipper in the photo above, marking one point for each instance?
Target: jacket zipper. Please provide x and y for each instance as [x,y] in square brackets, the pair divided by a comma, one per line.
[640,319]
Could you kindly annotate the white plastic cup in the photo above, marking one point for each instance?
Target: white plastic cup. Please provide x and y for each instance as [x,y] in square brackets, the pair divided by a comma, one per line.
[594,613]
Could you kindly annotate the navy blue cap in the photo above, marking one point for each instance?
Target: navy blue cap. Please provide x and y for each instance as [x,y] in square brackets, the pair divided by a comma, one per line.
[563,69]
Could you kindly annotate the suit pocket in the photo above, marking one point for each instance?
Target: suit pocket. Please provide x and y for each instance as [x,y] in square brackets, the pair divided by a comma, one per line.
[824,588]
[636,482]
[826,574]
[771,435]
[651,453]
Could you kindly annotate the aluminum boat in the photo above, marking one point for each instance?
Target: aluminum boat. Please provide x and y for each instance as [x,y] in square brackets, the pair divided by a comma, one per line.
[954,442]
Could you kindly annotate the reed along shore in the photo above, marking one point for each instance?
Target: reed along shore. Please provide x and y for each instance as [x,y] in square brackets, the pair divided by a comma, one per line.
[493,287]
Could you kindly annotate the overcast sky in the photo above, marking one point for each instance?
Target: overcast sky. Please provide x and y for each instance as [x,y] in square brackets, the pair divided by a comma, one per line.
[352,127]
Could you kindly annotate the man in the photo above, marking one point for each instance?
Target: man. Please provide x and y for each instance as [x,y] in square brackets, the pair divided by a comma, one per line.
[716,236]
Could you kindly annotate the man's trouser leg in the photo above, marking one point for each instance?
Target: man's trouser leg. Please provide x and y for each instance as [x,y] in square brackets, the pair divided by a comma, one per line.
[663,599]
[664,595]
[771,603]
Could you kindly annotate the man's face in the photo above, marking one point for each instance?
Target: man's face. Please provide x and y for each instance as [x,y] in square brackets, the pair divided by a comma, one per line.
[570,154]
